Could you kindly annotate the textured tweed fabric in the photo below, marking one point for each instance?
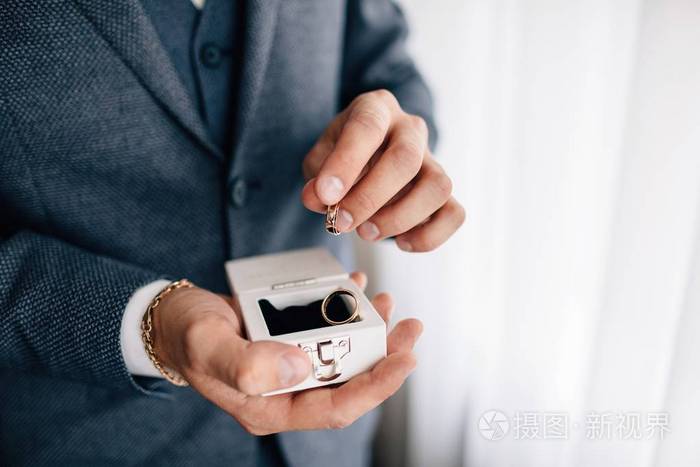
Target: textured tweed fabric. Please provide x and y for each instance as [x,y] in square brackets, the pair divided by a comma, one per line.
[108,180]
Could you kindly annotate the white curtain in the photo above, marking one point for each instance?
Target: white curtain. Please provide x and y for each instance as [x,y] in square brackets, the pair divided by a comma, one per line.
[572,131]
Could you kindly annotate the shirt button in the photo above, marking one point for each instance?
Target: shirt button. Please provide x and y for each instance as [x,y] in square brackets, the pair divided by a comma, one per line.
[239,192]
[211,55]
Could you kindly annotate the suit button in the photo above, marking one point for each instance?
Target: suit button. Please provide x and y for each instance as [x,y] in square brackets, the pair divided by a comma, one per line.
[211,55]
[239,192]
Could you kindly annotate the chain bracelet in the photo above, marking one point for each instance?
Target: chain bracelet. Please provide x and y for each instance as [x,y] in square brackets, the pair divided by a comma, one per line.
[147,333]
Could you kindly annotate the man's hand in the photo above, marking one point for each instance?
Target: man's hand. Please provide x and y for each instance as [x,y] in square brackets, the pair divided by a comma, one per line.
[198,334]
[375,158]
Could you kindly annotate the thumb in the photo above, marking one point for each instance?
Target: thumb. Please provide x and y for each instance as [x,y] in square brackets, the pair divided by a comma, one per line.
[309,198]
[257,367]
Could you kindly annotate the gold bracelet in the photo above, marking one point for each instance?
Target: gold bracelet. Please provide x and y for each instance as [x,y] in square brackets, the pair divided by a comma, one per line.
[147,333]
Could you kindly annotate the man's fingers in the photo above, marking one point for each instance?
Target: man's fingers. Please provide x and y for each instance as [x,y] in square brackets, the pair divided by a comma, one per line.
[367,122]
[360,278]
[397,166]
[367,390]
[434,232]
[431,190]
[382,302]
[384,305]
[404,336]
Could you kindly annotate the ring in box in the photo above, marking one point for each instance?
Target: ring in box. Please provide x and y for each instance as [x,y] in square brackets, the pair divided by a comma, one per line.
[282,298]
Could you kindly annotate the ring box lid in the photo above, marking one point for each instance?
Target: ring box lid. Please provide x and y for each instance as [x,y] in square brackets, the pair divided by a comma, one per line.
[282,270]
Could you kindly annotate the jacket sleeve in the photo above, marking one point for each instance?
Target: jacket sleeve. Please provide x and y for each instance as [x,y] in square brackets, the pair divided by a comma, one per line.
[375,57]
[61,309]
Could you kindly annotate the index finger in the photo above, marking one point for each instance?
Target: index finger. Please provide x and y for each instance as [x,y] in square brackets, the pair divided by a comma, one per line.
[363,133]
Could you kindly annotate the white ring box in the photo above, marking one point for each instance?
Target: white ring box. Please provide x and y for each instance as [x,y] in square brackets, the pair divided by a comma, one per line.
[299,277]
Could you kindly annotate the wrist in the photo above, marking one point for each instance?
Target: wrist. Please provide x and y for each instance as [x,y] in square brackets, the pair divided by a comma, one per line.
[167,325]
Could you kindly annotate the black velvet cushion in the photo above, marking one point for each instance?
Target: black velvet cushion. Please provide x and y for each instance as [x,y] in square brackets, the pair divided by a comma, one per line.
[298,318]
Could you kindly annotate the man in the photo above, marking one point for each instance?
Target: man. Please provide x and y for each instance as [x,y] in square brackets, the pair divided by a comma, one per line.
[147,141]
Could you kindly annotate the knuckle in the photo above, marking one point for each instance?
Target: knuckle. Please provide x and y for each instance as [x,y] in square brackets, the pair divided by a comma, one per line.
[254,430]
[424,242]
[386,96]
[392,225]
[339,421]
[441,183]
[371,119]
[388,391]
[362,100]
[454,210]
[406,157]
[412,361]
[460,215]
[365,202]
[411,156]
[245,378]
[419,124]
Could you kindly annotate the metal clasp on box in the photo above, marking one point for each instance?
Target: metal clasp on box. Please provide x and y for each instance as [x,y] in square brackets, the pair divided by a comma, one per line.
[326,356]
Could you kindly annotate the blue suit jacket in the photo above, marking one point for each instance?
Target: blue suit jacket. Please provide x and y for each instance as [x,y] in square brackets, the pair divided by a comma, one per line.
[109,180]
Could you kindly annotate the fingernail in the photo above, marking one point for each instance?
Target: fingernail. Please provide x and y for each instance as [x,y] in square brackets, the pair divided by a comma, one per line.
[368,231]
[344,220]
[330,189]
[404,245]
[291,368]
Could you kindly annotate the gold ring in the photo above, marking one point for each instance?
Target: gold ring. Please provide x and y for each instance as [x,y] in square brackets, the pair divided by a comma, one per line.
[331,217]
[331,296]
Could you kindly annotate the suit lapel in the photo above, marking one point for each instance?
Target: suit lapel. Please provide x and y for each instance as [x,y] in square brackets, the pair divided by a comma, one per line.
[260,22]
[128,30]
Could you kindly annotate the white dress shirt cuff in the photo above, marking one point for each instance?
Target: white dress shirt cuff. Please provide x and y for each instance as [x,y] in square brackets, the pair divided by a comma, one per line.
[133,350]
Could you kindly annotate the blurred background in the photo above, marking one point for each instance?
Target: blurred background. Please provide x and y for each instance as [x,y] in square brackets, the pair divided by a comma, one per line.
[562,324]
